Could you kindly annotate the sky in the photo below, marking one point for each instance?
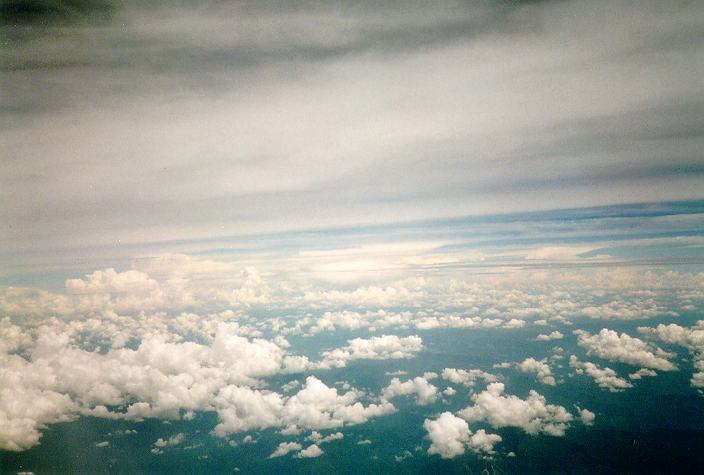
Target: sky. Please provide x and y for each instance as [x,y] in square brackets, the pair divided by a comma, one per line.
[134,122]
[303,236]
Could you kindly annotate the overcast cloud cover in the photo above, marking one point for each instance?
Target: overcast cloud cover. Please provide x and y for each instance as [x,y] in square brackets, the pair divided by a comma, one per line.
[151,121]
[377,236]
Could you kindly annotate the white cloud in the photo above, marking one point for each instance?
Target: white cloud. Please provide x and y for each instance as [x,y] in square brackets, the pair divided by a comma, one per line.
[555,335]
[609,345]
[450,435]
[375,348]
[173,440]
[514,323]
[533,414]
[161,379]
[316,437]
[425,392]
[641,373]
[540,368]
[587,417]
[467,377]
[284,448]
[691,338]
[311,451]
[605,378]
[315,406]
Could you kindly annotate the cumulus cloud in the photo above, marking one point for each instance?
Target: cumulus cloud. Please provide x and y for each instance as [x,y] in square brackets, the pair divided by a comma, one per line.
[466,377]
[540,368]
[587,417]
[605,377]
[533,414]
[425,392]
[173,440]
[610,345]
[284,448]
[641,373]
[555,335]
[315,406]
[311,451]
[691,338]
[160,378]
[114,359]
[375,348]
[450,436]
[318,438]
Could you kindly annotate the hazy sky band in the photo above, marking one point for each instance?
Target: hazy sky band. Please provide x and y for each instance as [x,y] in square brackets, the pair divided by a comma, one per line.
[132,122]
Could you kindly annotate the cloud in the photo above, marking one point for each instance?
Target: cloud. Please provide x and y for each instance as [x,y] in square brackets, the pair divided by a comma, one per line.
[609,345]
[375,348]
[311,98]
[605,378]
[691,338]
[159,378]
[467,377]
[641,373]
[284,448]
[315,406]
[311,451]
[425,392]
[540,368]
[587,417]
[555,335]
[450,435]
[533,414]
[316,437]
[173,440]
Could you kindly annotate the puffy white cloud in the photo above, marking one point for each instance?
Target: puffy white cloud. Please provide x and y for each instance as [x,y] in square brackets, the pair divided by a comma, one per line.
[110,281]
[587,417]
[533,414]
[555,335]
[315,406]
[160,353]
[641,373]
[27,402]
[691,338]
[425,392]
[540,368]
[311,451]
[318,438]
[514,323]
[375,348]
[161,378]
[609,345]
[605,378]
[450,436]
[467,377]
[173,440]
[284,448]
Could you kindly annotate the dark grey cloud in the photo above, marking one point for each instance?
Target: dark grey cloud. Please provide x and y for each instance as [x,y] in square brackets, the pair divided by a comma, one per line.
[51,12]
